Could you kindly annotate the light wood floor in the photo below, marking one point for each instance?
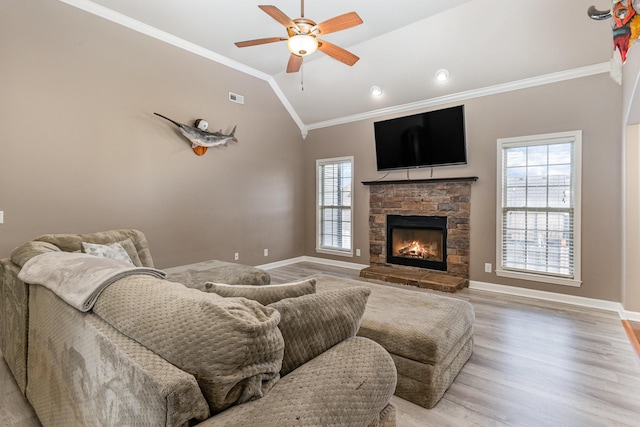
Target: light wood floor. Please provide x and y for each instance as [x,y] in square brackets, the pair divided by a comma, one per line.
[535,363]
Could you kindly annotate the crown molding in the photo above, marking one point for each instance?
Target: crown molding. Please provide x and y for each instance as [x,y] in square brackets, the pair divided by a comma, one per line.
[287,105]
[141,27]
[133,24]
[604,67]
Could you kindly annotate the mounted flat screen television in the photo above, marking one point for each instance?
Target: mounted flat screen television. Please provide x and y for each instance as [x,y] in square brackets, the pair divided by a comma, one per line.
[434,138]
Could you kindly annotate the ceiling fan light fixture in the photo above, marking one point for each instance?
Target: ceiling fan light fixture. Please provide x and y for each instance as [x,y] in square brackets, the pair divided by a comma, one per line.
[302,33]
[302,44]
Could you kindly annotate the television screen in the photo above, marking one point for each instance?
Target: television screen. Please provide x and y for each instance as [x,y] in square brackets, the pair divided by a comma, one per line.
[434,138]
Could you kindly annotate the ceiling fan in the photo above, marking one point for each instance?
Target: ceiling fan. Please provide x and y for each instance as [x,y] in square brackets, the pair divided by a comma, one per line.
[303,33]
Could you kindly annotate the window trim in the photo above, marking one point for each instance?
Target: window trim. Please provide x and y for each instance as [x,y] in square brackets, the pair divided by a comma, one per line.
[319,248]
[543,139]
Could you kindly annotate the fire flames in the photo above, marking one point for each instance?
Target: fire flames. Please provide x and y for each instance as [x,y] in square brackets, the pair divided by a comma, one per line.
[418,250]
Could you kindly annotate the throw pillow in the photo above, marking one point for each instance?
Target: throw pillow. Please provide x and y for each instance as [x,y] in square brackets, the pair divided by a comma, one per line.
[265,295]
[311,324]
[132,251]
[113,251]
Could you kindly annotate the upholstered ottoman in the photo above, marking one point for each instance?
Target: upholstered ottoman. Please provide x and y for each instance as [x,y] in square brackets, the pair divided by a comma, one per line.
[196,275]
[429,337]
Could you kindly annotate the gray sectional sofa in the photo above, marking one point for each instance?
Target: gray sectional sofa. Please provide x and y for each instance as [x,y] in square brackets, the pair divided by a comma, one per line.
[152,351]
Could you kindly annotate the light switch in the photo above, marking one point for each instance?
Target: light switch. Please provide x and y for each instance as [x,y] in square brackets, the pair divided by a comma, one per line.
[1,217]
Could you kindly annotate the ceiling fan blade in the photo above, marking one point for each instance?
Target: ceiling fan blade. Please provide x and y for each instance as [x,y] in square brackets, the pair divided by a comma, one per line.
[339,23]
[260,41]
[295,62]
[278,15]
[338,53]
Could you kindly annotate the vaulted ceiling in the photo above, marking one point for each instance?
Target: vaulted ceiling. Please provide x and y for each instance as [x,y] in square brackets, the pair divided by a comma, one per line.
[487,46]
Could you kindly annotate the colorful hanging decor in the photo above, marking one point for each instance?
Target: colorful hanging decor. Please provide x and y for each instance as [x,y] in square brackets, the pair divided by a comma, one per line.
[625,24]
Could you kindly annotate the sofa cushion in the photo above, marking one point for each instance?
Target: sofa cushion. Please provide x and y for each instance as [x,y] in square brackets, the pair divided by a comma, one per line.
[197,274]
[114,251]
[311,324]
[232,346]
[348,385]
[391,314]
[265,295]
[26,251]
[83,372]
[73,242]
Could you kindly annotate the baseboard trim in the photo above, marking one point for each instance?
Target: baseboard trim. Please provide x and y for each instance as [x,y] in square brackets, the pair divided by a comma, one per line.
[316,260]
[283,263]
[555,297]
[489,287]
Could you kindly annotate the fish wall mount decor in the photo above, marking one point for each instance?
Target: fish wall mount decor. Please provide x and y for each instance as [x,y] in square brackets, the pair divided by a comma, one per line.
[200,139]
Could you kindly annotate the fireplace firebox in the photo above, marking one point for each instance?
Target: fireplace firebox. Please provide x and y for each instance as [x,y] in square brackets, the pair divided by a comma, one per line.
[417,241]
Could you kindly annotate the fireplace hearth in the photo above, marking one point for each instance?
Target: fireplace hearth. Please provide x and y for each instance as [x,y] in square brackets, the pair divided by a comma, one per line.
[417,241]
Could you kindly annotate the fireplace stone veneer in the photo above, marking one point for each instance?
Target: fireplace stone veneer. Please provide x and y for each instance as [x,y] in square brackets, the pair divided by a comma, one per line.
[444,197]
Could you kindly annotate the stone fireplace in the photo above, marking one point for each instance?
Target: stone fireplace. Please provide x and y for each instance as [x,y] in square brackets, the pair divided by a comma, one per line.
[419,232]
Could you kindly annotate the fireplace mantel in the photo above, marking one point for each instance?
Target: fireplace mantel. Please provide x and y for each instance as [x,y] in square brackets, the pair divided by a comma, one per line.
[421,181]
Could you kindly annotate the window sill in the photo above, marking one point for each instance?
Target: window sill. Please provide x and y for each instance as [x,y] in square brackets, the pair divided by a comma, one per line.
[335,252]
[539,278]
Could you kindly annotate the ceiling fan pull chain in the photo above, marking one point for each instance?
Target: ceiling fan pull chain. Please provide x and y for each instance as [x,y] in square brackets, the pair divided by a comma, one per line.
[302,77]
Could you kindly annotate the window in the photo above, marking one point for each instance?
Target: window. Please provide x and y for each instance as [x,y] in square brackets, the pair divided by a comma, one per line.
[538,215]
[334,180]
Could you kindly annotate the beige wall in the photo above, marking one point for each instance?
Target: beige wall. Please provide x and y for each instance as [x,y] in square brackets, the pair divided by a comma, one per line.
[81,151]
[631,288]
[631,111]
[591,104]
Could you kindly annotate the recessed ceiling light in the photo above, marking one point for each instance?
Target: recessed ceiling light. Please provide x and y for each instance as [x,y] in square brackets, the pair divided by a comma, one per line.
[442,75]
[376,91]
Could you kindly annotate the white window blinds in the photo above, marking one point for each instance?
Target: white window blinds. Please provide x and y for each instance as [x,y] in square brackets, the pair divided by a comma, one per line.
[334,185]
[539,207]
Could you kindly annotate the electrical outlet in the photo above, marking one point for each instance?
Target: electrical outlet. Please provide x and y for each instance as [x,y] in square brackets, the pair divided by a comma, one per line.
[266,252]
[358,253]
[487,267]
[236,256]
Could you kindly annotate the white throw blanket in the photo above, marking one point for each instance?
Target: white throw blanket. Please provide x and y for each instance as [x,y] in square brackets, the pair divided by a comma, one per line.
[78,278]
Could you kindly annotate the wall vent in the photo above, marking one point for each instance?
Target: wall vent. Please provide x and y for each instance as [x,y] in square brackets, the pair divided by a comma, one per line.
[234,97]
